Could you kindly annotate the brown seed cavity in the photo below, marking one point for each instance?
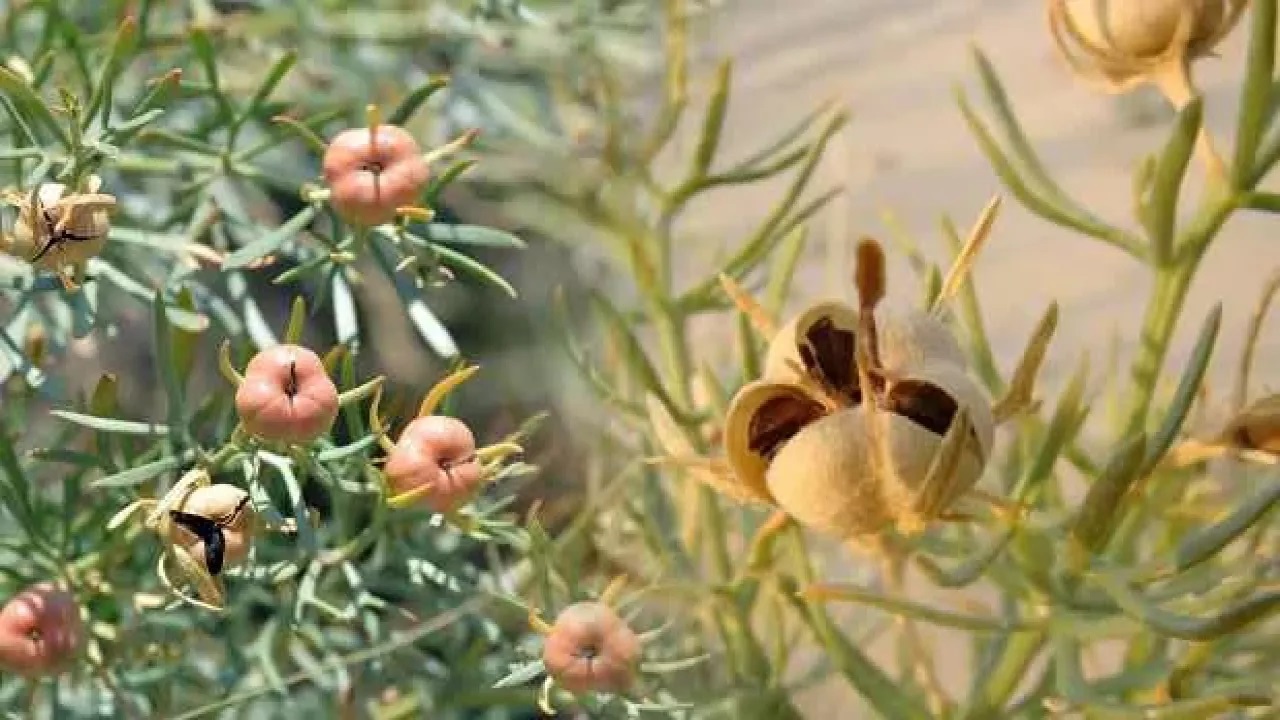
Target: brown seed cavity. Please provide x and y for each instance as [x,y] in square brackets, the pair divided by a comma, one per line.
[777,420]
[828,354]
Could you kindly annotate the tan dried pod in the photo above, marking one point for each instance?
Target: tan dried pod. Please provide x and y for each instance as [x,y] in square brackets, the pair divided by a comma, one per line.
[810,341]
[214,524]
[824,468]
[55,228]
[1256,427]
[1120,44]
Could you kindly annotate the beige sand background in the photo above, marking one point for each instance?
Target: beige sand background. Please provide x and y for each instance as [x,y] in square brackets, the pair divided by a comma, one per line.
[894,64]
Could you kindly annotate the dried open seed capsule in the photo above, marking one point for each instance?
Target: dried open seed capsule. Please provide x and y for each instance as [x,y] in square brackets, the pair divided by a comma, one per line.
[1257,426]
[1123,41]
[591,649]
[213,524]
[438,452]
[287,396]
[55,229]
[40,631]
[851,470]
[372,172]
[820,342]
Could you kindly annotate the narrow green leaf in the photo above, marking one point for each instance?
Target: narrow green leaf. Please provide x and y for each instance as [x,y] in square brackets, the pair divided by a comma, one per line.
[302,132]
[409,105]
[121,47]
[1206,542]
[1234,618]
[297,321]
[1061,428]
[1171,168]
[185,339]
[208,57]
[469,235]
[179,141]
[279,69]
[163,341]
[24,132]
[343,452]
[138,475]
[111,425]
[782,271]
[1255,92]
[634,354]
[474,268]
[272,241]
[1188,387]
[1034,201]
[1105,502]
[25,100]
[713,121]
[442,181]
[345,323]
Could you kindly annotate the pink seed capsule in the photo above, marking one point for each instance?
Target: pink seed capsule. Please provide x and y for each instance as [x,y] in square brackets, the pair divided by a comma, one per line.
[440,451]
[590,648]
[372,172]
[287,396]
[40,631]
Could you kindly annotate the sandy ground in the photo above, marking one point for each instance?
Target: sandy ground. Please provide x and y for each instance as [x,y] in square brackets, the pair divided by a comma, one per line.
[894,64]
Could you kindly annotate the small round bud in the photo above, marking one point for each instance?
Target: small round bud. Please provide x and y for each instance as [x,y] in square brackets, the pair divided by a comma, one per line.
[40,631]
[438,451]
[590,648]
[287,396]
[373,171]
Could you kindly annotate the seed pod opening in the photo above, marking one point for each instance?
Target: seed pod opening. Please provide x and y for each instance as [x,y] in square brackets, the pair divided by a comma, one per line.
[761,419]
[1257,426]
[287,396]
[591,649]
[213,524]
[40,631]
[821,342]
[57,228]
[439,452]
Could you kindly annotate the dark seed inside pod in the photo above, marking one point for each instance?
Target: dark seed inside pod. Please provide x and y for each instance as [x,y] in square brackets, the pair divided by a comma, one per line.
[924,404]
[778,420]
[828,353]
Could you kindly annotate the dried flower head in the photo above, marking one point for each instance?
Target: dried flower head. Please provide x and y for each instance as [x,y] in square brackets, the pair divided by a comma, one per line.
[57,229]
[374,171]
[287,396]
[40,631]
[1119,44]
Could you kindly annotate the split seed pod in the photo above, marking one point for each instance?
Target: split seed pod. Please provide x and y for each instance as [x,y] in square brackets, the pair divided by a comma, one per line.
[590,648]
[849,469]
[438,452]
[287,396]
[55,228]
[1125,42]
[214,524]
[907,340]
[373,171]
[40,631]
[1256,427]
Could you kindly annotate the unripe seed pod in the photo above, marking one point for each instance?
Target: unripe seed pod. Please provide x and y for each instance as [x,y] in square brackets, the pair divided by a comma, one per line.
[373,171]
[40,631]
[214,525]
[287,396]
[591,649]
[439,451]
[85,222]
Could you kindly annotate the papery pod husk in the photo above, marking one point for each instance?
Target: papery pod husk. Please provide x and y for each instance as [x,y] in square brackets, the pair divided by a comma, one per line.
[906,340]
[1256,427]
[783,362]
[30,237]
[967,394]
[795,408]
